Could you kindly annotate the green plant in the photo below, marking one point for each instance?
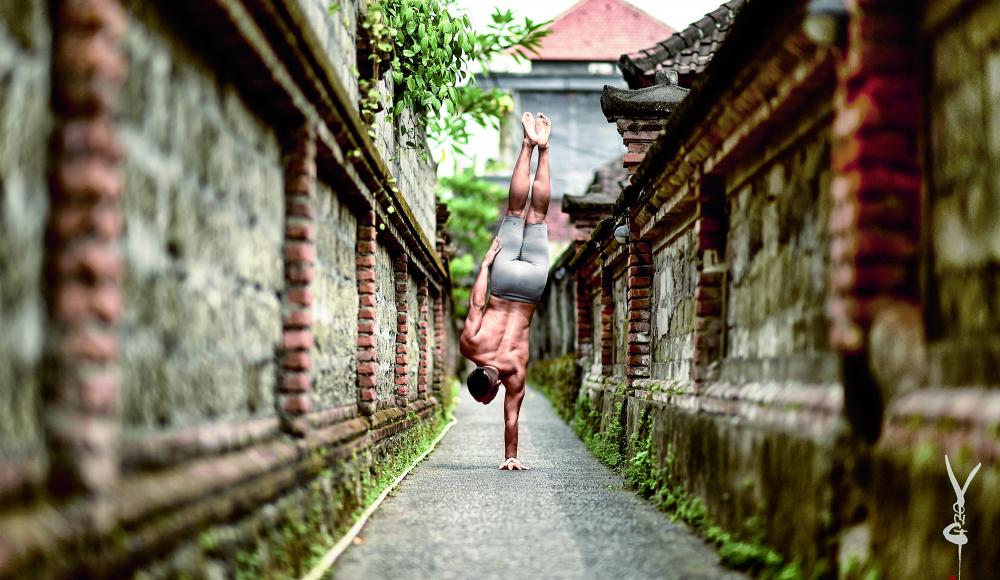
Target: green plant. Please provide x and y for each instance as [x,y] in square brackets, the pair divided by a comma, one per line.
[661,485]
[431,50]
[474,209]
[558,380]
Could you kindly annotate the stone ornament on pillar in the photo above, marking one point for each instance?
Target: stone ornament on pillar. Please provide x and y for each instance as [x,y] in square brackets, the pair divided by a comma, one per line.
[294,394]
[641,114]
[367,355]
[84,265]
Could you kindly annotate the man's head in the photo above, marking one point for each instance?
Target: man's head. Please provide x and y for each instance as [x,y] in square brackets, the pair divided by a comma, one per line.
[484,383]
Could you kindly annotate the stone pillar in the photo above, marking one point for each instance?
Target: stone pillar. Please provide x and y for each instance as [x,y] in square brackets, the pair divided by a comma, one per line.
[402,331]
[367,354]
[84,266]
[294,396]
[638,135]
[639,290]
[423,292]
[710,227]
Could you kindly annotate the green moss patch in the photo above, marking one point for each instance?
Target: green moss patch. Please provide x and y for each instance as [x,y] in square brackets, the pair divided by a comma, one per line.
[313,519]
[559,380]
[636,462]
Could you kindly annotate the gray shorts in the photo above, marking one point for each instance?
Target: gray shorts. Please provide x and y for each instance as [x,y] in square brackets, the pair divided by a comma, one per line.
[521,268]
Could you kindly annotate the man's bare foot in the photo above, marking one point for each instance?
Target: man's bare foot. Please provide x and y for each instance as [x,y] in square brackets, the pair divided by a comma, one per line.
[513,464]
[528,122]
[543,127]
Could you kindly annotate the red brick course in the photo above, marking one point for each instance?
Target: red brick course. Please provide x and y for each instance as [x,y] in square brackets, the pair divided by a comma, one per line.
[300,258]
[84,265]
[877,173]
[401,267]
[366,354]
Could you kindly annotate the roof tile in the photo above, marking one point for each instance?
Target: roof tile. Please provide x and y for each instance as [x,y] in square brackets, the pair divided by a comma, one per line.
[599,30]
[688,51]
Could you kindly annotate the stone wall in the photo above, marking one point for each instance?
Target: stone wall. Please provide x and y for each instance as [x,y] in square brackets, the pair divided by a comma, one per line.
[672,322]
[203,243]
[413,350]
[817,226]
[963,257]
[335,311]
[619,335]
[202,240]
[25,120]
[386,312]
[553,328]
[778,263]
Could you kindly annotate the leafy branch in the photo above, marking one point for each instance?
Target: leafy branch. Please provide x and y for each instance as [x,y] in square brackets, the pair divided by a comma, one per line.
[431,50]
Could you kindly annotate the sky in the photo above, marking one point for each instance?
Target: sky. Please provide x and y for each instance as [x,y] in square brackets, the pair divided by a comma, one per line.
[674,13]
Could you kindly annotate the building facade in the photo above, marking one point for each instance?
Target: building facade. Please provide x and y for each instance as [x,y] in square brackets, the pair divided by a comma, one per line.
[565,80]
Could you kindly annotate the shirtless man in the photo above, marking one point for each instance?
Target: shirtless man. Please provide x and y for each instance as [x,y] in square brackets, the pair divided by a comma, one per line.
[496,331]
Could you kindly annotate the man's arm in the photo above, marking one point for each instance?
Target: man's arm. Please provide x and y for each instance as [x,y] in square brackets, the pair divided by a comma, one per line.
[477,302]
[511,409]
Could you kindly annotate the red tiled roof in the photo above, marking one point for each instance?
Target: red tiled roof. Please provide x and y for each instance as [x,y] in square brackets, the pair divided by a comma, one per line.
[688,52]
[596,30]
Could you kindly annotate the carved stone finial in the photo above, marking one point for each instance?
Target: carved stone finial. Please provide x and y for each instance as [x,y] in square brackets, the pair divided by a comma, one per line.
[655,102]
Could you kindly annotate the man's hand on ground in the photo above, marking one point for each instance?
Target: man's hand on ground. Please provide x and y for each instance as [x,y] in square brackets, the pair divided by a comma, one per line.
[491,254]
[512,464]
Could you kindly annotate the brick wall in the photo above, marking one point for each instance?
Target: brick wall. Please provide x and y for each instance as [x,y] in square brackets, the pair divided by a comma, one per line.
[25,120]
[223,303]
[823,320]
[203,230]
[335,307]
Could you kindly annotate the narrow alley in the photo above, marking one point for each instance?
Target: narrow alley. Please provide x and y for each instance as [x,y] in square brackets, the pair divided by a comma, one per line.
[457,516]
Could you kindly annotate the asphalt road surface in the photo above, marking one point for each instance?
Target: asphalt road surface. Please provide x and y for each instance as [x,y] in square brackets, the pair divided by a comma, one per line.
[457,516]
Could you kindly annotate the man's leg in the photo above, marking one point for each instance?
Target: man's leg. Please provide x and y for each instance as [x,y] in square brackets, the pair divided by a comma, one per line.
[541,189]
[520,181]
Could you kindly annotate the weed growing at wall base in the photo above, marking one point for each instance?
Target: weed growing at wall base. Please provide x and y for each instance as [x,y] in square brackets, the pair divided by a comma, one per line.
[293,545]
[659,484]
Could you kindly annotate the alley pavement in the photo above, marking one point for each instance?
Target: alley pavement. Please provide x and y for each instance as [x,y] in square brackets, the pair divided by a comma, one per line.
[457,516]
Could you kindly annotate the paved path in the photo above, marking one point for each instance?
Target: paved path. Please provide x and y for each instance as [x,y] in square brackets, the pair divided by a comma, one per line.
[457,516]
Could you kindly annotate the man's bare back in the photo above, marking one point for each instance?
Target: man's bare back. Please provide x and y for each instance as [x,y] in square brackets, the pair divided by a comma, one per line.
[497,328]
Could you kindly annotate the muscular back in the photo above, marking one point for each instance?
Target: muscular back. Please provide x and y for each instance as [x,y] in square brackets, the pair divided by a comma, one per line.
[501,340]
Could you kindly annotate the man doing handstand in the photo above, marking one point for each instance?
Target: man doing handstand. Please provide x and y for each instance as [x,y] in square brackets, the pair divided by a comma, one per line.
[496,331]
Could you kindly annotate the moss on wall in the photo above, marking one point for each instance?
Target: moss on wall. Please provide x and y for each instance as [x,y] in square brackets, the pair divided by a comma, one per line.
[559,380]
